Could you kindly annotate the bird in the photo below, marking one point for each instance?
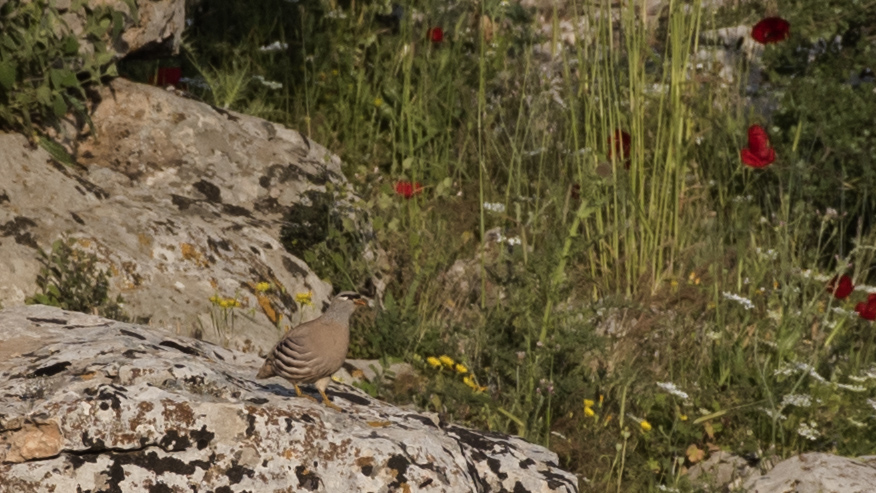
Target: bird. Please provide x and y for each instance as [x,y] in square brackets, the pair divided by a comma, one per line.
[313,351]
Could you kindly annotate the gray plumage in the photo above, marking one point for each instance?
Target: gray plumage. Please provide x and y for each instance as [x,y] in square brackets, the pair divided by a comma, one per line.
[313,351]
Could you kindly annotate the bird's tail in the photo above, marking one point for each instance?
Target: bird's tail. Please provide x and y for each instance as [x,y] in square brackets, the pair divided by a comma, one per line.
[267,370]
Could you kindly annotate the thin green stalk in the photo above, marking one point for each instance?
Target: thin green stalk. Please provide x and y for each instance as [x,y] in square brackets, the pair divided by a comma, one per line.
[482,104]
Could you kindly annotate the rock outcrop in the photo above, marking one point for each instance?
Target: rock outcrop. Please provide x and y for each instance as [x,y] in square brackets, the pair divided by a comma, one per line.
[155,25]
[91,404]
[182,202]
[816,472]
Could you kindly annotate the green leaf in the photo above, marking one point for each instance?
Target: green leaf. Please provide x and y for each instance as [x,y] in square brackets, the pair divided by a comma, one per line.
[7,74]
[111,70]
[57,151]
[63,78]
[44,95]
[59,106]
[104,58]
[71,46]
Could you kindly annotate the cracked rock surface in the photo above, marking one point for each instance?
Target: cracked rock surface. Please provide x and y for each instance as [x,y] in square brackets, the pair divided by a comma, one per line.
[180,201]
[91,404]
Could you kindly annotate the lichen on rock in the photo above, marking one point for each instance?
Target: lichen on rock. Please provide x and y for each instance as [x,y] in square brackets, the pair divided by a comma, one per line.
[102,405]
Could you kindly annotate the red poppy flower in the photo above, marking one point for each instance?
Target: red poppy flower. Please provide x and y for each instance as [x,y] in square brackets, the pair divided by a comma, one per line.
[841,289]
[771,30]
[408,189]
[758,154]
[167,76]
[436,35]
[620,143]
[867,310]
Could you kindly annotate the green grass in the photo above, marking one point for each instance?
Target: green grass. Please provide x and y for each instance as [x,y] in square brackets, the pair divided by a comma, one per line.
[674,263]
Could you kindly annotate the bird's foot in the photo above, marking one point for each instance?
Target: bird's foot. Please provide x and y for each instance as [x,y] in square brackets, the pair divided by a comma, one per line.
[302,394]
[327,402]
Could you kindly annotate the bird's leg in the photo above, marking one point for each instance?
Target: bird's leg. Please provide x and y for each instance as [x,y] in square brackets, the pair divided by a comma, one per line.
[302,394]
[327,402]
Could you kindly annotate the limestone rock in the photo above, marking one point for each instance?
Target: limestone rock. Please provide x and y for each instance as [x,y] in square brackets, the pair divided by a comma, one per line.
[181,202]
[157,25]
[722,471]
[91,404]
[816,472]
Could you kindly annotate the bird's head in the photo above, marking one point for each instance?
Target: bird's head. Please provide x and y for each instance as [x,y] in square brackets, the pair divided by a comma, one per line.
[350,297]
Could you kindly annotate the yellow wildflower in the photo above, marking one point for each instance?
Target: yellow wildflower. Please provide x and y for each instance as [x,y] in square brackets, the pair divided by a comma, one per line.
[588,403]
[263,286]
[460,368]
[433,361]
[470,382]
[215,299]
[589,412]
[683,417]
[305,298]
[447,360]
[646,426]
[378,102]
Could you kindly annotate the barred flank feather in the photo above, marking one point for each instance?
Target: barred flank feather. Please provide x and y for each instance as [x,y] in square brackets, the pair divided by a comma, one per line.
[316,349]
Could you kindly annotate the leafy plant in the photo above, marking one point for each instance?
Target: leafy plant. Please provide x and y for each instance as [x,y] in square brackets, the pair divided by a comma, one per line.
[71,279]
[44,69]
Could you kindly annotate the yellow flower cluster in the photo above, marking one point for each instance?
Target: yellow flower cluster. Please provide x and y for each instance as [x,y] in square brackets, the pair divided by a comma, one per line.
[305,298]
[588,408]
[446,361]
[263,287]
[472,384]
[224,302]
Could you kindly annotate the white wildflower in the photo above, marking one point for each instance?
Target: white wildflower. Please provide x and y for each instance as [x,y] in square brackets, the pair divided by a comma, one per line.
[673,389]
[796,368]
[745,302]
[808,430]
[275,46]
[767,254]
[852,388]
[774,414]
[268,83]
[842,311]
[494,207]
[799,400]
